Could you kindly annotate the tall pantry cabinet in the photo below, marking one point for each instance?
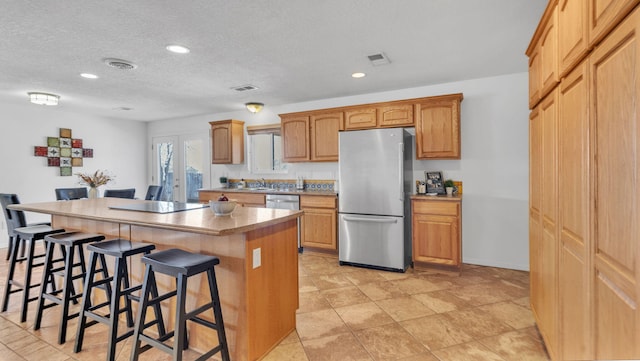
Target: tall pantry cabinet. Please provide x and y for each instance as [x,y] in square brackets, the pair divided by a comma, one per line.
[585,179]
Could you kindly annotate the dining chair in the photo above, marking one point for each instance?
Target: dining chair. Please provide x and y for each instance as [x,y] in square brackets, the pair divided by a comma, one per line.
[67,194]
[153,193]
[14,219]
[120,193]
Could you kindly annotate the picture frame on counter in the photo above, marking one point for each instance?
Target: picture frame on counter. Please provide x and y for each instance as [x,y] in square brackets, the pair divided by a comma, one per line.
[435,182]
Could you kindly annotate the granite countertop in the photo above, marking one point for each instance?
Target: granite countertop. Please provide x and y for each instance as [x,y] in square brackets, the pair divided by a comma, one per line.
[306,192]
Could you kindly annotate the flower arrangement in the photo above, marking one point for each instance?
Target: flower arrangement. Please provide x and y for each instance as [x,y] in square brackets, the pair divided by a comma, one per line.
[97,179]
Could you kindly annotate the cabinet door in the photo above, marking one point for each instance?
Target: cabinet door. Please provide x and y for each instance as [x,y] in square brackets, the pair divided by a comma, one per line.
[227,142]
[615,120]
[436,233]
[548,306]
[221,144]
[573,36]
[534,77]
[605,14]
[438,128]
[535,205]
[549,54]
[395,115]
[360,118]
[319,228]
[324,136]
[295,139]
[573,216]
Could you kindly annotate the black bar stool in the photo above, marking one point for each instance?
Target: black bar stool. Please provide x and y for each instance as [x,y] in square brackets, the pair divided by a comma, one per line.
[69,243]
[29,235]
[181,265]
[116,287]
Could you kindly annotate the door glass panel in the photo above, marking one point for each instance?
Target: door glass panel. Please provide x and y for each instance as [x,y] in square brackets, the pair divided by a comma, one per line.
[165,170]
[194,167]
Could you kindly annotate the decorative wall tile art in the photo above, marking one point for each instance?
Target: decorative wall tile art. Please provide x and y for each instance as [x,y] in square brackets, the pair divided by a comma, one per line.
[64,151]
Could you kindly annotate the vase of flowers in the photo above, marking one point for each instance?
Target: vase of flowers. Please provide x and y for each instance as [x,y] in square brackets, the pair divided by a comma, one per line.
[95,180]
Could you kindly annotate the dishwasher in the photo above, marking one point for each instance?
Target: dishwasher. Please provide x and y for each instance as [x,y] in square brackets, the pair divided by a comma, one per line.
[285,201]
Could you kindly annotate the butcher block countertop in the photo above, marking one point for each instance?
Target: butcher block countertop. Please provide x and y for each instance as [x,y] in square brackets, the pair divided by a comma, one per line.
[202,220]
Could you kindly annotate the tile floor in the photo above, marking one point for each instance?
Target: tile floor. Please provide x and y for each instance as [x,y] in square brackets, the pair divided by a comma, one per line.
[348,313]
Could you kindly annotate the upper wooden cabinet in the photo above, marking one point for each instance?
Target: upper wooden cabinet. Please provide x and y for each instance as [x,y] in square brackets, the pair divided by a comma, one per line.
[543,57]
[438,127]
[605,14]
[324,136]
[573,38]
[227,142]
[360,118]
[313,136]
[295,138]
[396,114]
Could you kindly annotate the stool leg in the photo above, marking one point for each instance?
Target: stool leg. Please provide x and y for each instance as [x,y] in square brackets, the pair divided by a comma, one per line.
[27,280]
[157,309]
[47,278]
[85,304]
[67,291]
[127,300]
[149,279]
[10,248]
[217,313]
[179,343]
[12,270]
[115,308]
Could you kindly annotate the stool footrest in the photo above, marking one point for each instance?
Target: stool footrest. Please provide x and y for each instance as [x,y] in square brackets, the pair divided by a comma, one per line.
[161,298]
[204,322]
[199,310]
[207,355]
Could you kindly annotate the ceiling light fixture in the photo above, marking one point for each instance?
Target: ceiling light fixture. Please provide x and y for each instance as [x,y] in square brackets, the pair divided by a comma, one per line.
[89,76]
[358,75]
[43,98]
[178,49]
[254,107]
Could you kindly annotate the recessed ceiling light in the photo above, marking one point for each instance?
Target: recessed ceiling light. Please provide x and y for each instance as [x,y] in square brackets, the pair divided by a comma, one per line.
[89,76]
[358,75]
[178,49]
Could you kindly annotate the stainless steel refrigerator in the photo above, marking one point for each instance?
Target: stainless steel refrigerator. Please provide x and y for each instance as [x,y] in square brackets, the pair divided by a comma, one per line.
[375,176]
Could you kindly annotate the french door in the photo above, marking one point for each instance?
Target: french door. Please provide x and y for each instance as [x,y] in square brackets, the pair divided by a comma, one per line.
[181,166]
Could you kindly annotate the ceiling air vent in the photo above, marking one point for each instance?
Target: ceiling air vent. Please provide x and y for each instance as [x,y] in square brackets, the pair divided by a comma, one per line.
[243,88]
[120,64]
[378,59]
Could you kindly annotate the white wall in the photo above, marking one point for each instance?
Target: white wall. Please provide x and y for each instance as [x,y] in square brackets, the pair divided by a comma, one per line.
[493,168]
[118,146]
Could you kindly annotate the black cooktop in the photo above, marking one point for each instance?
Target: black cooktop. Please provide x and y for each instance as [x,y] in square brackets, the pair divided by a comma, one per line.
[160,207]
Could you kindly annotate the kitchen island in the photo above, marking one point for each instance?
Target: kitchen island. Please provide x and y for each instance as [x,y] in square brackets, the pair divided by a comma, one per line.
[258,270]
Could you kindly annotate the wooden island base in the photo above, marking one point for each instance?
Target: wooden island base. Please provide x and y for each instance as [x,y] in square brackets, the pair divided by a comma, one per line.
[258,304]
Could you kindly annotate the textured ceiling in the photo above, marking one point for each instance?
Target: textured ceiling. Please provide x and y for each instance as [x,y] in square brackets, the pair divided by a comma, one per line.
[293,51]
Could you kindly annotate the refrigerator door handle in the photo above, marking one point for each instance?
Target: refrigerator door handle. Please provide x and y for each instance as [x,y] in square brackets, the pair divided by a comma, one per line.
[400,171]
[371,220]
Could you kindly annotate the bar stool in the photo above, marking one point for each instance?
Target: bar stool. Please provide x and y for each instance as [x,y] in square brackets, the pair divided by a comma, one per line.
[69,243]
[29,235]
[180,265]
[120,249]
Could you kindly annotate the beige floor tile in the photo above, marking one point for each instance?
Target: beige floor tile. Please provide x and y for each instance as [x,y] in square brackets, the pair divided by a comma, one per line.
[404,308]
[364,315]
[441,301]
[416,285]
[361,277]
[291,338]
[382,290]
[340,347]
[340,297]
[436,331]
[427,356]
[287,352]
[510,313]
[482,294]
[319,324]
[472,351]
[389,342]
[477,323]
[329,281]
[305,284]
[312,301]
[516,345]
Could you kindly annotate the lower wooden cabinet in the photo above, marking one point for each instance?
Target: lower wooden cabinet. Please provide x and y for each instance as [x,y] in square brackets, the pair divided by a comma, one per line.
[243,199]
[437,235]
[319,224]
